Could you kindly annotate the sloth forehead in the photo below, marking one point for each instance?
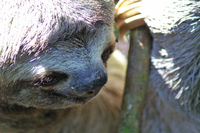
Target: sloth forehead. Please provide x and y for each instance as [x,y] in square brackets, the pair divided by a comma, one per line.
[30,27]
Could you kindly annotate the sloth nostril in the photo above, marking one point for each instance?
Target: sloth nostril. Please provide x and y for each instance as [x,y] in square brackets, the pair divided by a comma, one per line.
[88,88]
[90,92]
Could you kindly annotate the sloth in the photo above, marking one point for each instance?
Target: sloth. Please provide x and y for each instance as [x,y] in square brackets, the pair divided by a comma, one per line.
[53,61]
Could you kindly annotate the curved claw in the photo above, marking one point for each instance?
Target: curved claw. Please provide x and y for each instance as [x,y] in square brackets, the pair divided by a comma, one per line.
[128,15]
[131,23]
[124,3]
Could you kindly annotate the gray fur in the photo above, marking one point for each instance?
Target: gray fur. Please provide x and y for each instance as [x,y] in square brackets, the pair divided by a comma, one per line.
[34,25]
[173,97]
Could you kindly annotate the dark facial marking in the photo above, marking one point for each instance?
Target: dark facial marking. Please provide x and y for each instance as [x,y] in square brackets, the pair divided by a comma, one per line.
[107,52]
[49,80]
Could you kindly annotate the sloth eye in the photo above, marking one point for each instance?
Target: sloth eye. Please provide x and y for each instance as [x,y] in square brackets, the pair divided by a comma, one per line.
[107,52]
[105,55]
[49,80]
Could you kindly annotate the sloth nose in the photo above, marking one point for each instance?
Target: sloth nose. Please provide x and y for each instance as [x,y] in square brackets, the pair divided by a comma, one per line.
[88,88]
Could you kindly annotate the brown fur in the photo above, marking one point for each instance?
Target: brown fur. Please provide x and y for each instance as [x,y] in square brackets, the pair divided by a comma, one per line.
[101,114]
[53,57]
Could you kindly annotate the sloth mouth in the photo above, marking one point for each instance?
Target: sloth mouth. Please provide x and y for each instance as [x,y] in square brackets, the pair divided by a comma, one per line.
[62,97]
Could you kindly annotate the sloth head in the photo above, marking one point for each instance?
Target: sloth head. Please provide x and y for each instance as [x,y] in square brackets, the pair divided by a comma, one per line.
[53,54]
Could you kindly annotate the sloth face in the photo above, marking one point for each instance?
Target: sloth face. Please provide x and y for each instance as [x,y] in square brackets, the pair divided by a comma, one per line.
[68,73]
[56,54]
